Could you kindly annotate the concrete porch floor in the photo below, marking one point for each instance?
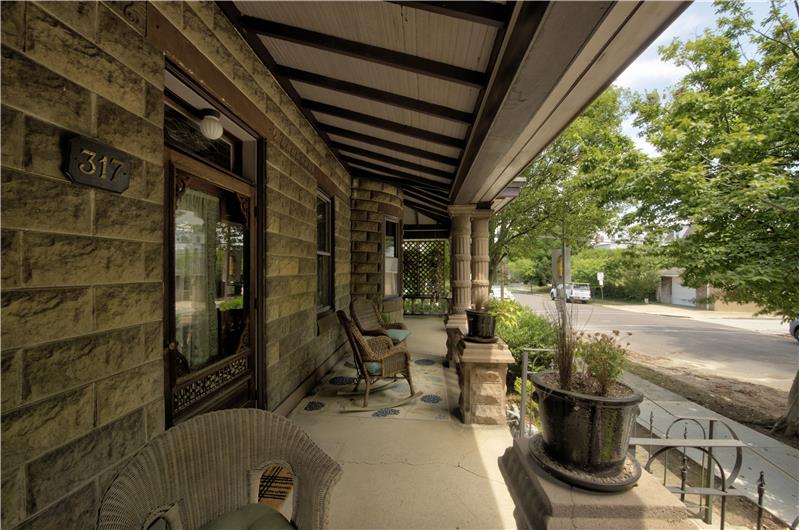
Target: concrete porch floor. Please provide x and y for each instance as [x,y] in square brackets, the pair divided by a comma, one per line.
[410,474]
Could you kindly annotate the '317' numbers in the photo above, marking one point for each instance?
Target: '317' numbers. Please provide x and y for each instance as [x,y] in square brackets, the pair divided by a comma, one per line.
[91,165]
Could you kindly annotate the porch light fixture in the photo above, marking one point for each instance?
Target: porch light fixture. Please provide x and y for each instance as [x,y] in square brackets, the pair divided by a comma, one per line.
[210,126]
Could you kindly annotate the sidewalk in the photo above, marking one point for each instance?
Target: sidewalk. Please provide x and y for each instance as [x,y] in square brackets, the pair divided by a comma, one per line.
[778,461]
[768,324]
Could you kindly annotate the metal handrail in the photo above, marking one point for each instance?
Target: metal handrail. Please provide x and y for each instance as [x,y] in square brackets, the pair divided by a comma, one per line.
[523,412]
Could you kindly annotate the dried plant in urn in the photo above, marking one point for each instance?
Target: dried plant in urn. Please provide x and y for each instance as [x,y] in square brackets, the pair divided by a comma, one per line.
[587,415]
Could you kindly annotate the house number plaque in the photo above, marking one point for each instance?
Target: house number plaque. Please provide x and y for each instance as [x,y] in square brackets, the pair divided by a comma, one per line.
[97,165]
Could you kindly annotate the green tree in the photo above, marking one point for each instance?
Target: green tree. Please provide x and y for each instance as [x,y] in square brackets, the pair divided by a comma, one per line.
[728,165]
[727,135]
[630,273]
[569,187]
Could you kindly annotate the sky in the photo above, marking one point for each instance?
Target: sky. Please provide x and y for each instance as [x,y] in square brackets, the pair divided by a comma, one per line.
[649,72]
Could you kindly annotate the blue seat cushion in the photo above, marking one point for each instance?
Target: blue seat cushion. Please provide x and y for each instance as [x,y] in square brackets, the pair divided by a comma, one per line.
[373,367]
[250,517]
[398,335]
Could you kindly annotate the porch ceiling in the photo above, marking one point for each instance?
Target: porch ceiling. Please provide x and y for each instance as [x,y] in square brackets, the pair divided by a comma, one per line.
[450,100]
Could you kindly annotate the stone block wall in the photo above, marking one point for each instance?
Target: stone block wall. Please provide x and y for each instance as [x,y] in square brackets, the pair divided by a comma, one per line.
[82,370]
[371,203]
[82,286]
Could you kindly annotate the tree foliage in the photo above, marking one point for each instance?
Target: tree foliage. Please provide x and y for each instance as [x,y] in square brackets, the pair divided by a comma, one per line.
[630,273]
[728,166]
[570,187]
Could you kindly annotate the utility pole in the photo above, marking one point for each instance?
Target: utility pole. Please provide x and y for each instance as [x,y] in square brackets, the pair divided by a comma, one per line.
[563,258]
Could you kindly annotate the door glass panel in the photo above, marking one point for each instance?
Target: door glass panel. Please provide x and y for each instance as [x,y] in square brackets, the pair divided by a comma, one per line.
[210,278]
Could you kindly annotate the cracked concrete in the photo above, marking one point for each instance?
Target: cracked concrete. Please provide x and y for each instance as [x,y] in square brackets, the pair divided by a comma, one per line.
[409,474]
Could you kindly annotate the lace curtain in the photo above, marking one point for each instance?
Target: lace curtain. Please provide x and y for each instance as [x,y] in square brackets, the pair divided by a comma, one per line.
[196,331]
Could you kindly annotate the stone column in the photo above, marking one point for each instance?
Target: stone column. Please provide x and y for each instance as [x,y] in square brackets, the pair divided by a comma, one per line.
[480,257]
[460,252]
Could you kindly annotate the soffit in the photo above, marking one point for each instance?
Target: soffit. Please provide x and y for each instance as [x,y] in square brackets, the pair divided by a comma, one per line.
[449,100]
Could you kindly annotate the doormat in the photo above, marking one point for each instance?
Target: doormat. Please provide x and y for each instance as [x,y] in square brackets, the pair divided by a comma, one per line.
[429,402]
[276,484]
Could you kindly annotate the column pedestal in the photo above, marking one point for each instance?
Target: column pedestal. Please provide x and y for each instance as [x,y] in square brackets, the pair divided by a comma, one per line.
[545,503]
[482,380]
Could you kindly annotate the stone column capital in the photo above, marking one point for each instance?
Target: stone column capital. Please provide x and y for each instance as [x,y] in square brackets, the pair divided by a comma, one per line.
[481,213]
[458,210]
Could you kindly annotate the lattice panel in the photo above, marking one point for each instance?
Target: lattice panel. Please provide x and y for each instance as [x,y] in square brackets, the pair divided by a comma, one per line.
[424,268]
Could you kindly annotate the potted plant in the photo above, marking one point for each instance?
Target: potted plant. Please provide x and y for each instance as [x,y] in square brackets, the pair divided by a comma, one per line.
[586,414]
[480,324]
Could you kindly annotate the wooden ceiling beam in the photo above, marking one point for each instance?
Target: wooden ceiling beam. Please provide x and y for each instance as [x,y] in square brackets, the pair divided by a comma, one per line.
[350,161]
[388,125]
[488,13]
[375,54]
[235,16]
[388,144]
[346,87]
[363,173]
[430,195]
[491,98]
[436,231]
[439,204]
[392,160]
[436,214]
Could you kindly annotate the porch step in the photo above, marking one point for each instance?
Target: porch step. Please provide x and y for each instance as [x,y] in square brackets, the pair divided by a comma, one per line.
[545,503]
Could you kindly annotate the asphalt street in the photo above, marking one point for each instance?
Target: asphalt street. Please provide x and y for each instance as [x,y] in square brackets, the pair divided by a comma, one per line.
[712,348]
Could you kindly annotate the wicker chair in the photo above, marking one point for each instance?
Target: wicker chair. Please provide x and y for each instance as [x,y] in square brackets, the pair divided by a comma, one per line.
[376,357]
[366,317]
[211,465]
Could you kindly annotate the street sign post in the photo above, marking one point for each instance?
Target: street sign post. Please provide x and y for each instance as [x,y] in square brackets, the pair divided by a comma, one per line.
[600,277]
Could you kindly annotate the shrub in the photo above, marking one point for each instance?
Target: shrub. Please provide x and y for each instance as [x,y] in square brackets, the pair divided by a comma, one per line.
[237,302]
[521,328]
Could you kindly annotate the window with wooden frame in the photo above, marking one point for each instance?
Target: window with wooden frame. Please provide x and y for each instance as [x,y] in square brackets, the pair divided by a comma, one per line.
[391,250]
[325,253]
[210,286]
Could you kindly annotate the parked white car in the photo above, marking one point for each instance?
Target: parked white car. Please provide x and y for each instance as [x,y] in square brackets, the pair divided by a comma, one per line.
[573,292]
[495,293]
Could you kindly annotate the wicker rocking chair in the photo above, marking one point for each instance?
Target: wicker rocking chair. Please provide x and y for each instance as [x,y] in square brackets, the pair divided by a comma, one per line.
[205,472]
[368,320]
[376,358]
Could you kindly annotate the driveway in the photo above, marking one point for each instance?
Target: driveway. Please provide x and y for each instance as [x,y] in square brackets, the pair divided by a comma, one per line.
[721,350]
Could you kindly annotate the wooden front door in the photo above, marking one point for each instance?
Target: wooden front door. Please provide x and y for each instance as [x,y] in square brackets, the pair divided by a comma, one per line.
[209,308]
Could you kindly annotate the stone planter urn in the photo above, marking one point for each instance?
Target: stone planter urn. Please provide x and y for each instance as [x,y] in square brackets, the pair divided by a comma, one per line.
[585,438]
[480,324]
